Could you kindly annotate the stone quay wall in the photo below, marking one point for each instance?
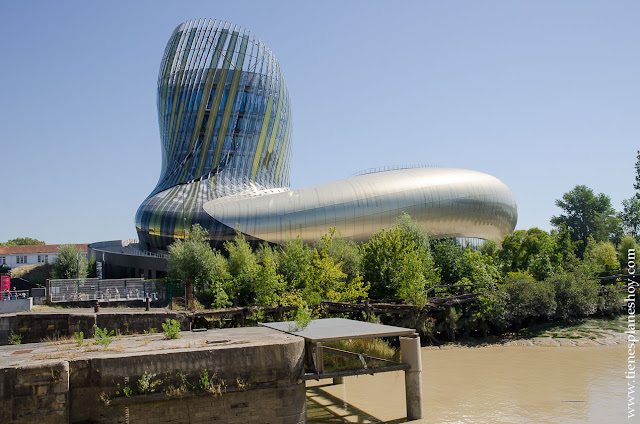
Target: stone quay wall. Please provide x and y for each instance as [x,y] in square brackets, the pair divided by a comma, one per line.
[255,374]
[35,327]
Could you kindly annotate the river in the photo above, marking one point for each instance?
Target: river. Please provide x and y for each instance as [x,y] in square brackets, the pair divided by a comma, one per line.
[494,384]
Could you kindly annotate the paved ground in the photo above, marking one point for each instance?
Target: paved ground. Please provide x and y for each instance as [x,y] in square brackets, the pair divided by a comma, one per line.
[14,355]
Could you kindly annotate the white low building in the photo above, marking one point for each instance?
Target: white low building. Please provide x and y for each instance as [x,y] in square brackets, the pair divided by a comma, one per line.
[17,256]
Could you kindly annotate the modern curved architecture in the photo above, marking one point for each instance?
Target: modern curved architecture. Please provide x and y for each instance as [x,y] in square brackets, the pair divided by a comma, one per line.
[225,124]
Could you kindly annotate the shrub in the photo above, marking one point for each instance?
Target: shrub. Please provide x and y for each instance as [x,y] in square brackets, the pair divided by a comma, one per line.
[576,294]
[171,329]
[528,299]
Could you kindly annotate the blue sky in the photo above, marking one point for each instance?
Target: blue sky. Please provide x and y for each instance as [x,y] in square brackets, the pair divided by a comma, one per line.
[541,94]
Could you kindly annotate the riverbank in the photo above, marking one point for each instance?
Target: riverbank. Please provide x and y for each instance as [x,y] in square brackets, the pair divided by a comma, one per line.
[586,332]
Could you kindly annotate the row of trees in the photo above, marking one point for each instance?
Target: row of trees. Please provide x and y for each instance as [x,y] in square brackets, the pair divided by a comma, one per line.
[588,215]
[398,263]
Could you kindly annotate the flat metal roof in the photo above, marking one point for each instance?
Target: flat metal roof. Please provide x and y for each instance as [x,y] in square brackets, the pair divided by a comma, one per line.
[327,329]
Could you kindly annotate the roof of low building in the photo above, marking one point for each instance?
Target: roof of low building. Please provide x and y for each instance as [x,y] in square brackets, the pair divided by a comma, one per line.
[36,248]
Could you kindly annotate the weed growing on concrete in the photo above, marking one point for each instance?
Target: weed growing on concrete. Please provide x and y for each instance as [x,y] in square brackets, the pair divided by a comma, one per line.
[204,383]
[15,339]
[171,329]
[79,338]
[147,384]
[102,337]
[152,330]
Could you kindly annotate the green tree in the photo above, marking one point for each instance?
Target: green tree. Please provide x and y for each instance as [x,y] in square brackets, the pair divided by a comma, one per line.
[586,214]
[601,257]
[447,257]
[628,242]
[636,185]
[343,251]
[70,262]
[268,285]
[397,266]
[478,268]
[243,267]
[217,293]
[20,241]
[565,248]
[192,261]
[534,251]
[630,216]
[294,260]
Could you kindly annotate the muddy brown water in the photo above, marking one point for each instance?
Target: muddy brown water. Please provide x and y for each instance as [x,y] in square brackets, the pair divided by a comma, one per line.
[494,384]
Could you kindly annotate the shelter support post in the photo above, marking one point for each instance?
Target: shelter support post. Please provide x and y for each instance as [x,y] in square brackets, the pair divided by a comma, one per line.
[410,350]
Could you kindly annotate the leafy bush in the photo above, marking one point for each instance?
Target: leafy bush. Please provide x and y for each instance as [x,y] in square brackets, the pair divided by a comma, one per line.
[527,298]
[576,294]
[171,329]
[102,337]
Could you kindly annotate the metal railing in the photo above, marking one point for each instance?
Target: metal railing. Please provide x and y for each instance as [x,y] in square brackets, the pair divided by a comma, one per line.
[125,289]
[14,294]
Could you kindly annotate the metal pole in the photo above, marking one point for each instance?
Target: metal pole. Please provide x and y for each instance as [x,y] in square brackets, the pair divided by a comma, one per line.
[410,350]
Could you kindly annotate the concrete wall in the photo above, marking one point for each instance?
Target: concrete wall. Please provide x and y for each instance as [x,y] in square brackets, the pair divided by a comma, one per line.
[261,374]
[15,305]
[36,327]
[35,393]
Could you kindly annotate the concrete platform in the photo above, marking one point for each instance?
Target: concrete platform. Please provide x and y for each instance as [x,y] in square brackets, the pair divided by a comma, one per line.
[258,369]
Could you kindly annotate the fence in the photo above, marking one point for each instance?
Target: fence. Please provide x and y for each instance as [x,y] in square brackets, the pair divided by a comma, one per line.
[105,290]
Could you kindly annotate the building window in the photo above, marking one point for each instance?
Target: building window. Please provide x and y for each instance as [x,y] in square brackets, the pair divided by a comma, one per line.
[43,258]
[21,259]
[3,260]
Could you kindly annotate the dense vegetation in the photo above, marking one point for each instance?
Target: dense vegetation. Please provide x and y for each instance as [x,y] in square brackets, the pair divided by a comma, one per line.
[531,276]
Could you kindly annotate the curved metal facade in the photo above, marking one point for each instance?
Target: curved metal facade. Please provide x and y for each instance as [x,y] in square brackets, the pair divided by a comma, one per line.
[447,202]
[225,124]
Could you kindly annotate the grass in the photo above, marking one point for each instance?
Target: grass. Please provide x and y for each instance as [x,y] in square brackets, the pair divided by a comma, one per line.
[371,347]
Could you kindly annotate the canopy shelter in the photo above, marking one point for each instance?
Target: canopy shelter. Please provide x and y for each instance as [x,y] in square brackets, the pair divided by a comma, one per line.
[331,329]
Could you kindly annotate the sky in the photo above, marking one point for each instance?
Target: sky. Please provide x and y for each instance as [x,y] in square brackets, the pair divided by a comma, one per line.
[542,94]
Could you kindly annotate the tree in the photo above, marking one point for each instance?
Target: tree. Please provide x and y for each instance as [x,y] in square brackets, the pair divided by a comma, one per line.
[192,261]
[601,257]
[628,242]
[534,251]
[243,267]
[636,185]
[587,215]
[397,266]
[447,257]
[630,216]
[20,241]
[294,260]
[342,250]
[70,262]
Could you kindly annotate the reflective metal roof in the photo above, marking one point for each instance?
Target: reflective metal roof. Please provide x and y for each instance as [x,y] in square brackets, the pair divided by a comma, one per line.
[327,329]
